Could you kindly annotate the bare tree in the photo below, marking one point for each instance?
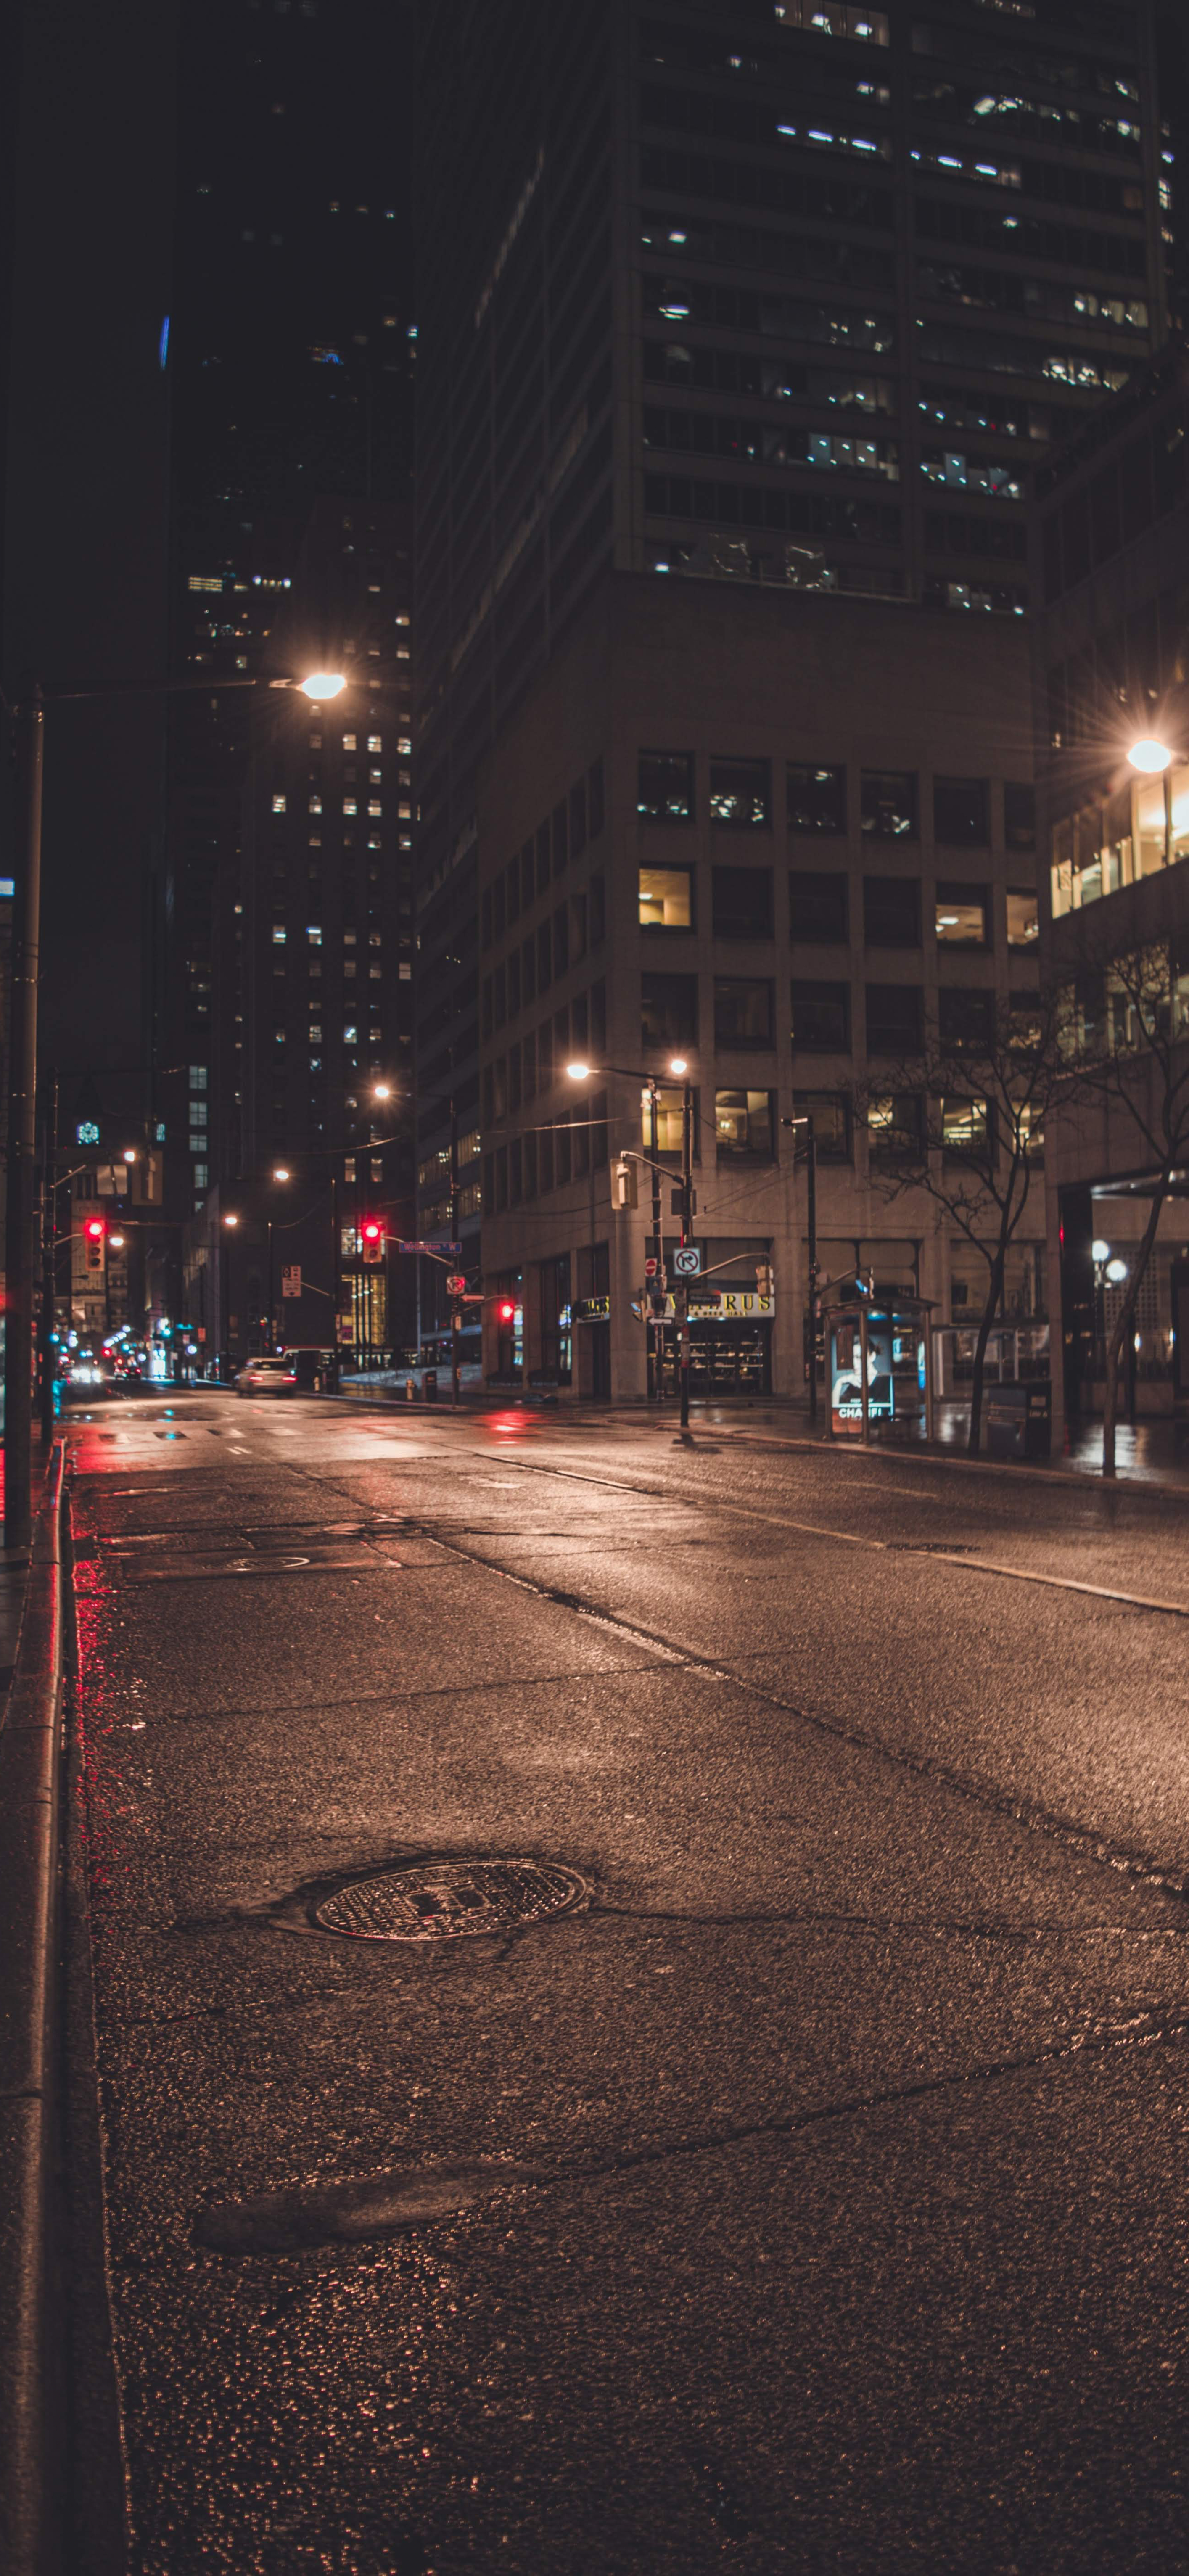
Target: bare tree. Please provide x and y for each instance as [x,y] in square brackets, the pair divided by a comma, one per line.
[1132,1041]
[964,1122]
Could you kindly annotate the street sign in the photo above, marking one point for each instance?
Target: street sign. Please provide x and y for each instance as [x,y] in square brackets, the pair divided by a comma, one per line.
[687,1261]
[650,1266]
[291,1279]
[456,1285]
[449,1251]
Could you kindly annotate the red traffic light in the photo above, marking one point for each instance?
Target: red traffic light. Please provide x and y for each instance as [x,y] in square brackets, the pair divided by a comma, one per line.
[507,1310]
[95,1228]
[372,1233]
[372,1230]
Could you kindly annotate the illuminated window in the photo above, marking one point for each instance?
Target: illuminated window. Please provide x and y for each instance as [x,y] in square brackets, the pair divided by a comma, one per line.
[743,1124]
[962,916]
[350,1034]
[669,1105]
[965,1126]
[375,742]
[741,792]
[315,804]
[666,898]
[278,935]
[1023,925]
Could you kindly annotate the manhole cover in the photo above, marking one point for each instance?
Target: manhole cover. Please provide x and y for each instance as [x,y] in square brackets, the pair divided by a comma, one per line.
[447,1899]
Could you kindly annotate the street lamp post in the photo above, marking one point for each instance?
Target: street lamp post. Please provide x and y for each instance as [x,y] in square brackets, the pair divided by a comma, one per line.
[19,1231]
[634,1073]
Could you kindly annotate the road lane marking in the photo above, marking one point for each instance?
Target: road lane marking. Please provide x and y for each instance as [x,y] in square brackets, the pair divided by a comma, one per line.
[855,1538]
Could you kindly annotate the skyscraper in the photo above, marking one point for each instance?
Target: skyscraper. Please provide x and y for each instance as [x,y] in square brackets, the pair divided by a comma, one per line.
[289,357]
[780,296]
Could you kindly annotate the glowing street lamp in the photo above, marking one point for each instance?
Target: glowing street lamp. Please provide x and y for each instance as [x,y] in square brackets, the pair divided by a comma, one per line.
[1150,757]
[323,684]
[281,1172]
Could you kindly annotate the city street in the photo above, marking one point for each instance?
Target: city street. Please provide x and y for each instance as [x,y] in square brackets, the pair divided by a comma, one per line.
[808,2191]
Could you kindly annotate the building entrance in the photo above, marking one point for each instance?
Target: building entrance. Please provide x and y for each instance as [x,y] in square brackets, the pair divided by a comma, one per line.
[724,1359]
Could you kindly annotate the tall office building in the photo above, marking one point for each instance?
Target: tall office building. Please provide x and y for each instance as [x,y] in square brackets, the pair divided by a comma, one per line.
[784,296]
[289,358]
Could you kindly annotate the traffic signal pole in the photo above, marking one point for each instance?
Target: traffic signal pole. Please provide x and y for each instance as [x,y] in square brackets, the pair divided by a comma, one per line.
[22,1139]
[658,1336]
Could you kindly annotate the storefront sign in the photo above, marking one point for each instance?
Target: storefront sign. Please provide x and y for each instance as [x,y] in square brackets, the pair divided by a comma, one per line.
[730,1306]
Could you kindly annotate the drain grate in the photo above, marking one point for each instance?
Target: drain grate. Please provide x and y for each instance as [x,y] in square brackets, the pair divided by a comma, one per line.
[451,1899]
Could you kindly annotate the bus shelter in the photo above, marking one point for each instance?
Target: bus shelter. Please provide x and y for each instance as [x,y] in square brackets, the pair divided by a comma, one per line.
[881,1383]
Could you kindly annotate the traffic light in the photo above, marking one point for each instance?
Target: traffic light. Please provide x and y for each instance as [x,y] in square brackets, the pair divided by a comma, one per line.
[373,1239]
[764,1279]
[93,1234]
[506,1310]
[623,1183]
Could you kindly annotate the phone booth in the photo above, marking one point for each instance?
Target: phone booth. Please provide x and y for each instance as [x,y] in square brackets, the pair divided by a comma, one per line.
[881,1384]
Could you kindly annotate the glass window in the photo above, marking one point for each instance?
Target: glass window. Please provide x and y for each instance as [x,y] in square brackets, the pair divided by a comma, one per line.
[895,1019]
[961,812]
[889,810]
[743,903]
[819,906]
[816,798]
[669,1100]
[1019,816]
[821,1018]
[894,1126]
[1149,828]
[830,1112]
[965,1126]
[891,912]
[742,1011]
[278,804]
[1178,788]
[666,898]
[743,1124]
[665,787]
[741,792]
[669,1010]
[962,915]
[1023,926]
[965,1019]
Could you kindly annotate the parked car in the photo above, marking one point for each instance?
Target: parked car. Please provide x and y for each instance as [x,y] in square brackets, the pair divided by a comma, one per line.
[267,1376]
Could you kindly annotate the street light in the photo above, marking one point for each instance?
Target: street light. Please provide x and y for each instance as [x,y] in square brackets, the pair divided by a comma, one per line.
[29,730]
[381,1091]
[1150,757]
[678,1065]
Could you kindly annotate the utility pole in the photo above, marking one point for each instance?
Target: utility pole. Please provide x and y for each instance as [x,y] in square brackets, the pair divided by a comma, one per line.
[454,1308]
[811,1231]
[336,1279]
[811,1228]
[687,1218]
[22,1137]
[658,1335]
[49,1228]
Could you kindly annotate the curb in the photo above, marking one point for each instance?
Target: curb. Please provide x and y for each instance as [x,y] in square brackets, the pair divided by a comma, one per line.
[29,1878]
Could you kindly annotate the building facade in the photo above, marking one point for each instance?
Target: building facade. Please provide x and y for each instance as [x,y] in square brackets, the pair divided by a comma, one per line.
[778,298]
[719,828]
[1111,655]
[289,365]
[310,1055]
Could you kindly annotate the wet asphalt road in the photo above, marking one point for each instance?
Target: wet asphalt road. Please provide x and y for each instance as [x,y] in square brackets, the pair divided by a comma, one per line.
[815,2199]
